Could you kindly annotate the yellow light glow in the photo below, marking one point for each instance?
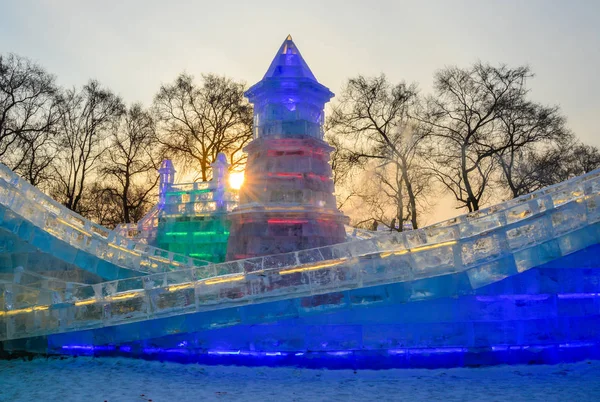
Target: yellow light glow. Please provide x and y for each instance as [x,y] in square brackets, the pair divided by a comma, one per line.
[313,267]
[224,280]
[74,227]
[416,249]
[85,302]
[124,296]
[24,310]
[236,180]
[175,288]
[123,249]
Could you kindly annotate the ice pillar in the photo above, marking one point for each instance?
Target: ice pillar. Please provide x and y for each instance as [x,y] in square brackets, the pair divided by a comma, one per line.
[220,177]
[167,178]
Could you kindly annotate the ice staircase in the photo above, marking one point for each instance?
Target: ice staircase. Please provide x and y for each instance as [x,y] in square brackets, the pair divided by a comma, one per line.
[453,261]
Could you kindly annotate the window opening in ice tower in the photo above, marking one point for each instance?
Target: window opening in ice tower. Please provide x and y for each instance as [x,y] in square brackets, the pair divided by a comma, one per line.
[290,104]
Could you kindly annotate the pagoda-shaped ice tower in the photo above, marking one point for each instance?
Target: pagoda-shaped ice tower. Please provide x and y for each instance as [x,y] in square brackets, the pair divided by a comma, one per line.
[287,201]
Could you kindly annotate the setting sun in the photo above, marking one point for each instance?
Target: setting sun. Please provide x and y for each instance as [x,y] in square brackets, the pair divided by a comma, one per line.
[236,180]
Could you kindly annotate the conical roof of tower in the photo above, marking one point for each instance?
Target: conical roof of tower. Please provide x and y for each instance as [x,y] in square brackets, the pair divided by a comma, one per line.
[288,62]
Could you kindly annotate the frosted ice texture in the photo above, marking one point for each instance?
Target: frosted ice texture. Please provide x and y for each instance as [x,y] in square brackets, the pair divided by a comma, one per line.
[452,258]
[462,258]
[144,231]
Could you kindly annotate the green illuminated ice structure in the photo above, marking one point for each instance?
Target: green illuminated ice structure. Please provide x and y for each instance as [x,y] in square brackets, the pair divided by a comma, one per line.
[193,217]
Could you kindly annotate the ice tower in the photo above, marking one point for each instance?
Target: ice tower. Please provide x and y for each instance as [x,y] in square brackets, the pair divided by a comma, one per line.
[287,200]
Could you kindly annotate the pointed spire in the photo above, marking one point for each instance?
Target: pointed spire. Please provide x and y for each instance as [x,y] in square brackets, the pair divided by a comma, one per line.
[288,62]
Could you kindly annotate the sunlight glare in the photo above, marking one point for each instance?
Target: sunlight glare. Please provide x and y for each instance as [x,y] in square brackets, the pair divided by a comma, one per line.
[236,179]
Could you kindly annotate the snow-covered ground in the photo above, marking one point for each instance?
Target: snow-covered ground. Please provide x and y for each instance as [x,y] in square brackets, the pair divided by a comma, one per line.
[119,379]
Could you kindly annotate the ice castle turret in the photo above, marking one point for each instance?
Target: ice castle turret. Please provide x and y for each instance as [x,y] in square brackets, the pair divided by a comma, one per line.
[166,179]
[287,200]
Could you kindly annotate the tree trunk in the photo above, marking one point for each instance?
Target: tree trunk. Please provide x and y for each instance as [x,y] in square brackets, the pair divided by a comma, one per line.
[472,202]
[412,200]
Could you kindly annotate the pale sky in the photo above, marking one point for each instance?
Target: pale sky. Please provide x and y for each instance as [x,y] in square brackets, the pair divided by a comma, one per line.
[134,46]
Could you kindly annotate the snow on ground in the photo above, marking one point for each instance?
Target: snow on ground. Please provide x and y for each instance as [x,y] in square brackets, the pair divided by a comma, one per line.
[119,379]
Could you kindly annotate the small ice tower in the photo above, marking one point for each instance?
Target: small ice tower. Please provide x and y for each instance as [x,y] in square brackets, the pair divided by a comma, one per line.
[220,179]
[287,201]
[166,179]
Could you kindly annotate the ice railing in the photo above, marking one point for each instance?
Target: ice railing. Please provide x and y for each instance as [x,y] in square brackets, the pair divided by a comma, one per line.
[510,239]
[451,230]
[29,288]
[353,233]
[29,205]
[199,198]
[144,229]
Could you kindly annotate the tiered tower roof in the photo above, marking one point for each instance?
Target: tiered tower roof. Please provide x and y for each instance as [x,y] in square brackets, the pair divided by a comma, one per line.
[288,62]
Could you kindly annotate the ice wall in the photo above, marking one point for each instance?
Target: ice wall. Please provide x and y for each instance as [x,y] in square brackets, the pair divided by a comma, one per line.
[548,314]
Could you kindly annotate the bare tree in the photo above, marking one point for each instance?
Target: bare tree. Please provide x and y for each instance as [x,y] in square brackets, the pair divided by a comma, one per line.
[374,129]
[463,120]
[100,205]
[342,158]
[557,162]
[584,158]
[200,121]
[87,118]
[526,126]
[28,114]
[131,163]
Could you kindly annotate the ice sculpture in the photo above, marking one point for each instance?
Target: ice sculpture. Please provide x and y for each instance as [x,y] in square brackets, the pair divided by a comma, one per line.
[189,218]
[287,201]
[518,282]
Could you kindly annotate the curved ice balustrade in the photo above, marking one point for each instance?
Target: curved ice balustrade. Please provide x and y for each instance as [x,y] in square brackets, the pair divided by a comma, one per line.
[511,239]
[16,297]
[27,209]
[30,289]
[353,233]
[463,226]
